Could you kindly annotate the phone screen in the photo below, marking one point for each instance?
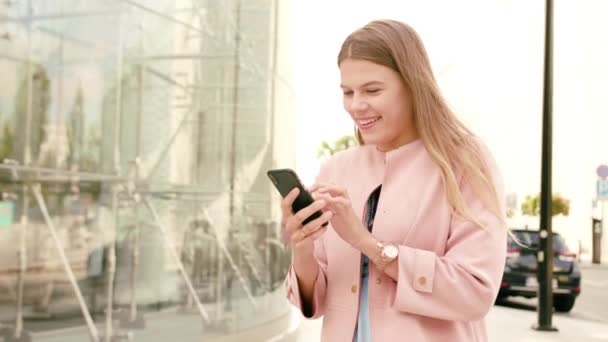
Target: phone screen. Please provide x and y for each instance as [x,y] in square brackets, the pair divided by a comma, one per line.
[286,180]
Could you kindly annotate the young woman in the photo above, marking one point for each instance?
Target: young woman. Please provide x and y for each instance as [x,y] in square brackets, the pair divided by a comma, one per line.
[416,242]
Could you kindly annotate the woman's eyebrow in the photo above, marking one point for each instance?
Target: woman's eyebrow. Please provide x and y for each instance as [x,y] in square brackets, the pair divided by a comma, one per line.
[364,84]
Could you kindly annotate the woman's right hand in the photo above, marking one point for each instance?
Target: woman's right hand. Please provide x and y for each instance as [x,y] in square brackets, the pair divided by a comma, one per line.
[301,237]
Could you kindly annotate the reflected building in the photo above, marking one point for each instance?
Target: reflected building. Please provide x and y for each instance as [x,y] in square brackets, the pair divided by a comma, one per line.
[134,141]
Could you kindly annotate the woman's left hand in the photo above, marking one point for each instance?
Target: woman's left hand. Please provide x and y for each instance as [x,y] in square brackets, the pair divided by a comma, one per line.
[344,220]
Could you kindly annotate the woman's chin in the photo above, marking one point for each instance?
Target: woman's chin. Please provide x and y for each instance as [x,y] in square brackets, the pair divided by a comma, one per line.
[372,139]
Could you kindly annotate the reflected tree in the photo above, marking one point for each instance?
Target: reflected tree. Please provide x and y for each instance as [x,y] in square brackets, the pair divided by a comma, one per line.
[6,142]
[559,204]
[40,100]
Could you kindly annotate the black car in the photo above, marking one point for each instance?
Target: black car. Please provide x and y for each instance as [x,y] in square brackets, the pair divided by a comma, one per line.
[520,279]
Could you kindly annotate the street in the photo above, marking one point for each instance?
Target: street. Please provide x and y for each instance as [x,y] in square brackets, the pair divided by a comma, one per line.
[591,304]
[593,300]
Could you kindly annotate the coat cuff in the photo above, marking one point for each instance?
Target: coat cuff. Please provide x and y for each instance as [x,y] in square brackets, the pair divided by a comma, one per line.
[416,273]
[294,297]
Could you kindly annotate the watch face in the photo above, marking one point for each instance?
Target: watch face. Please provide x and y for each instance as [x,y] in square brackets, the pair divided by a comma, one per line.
[391,252]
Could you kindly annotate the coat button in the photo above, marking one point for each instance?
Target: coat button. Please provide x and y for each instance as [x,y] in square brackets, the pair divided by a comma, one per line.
[353,289]
[379,281]
[422,280]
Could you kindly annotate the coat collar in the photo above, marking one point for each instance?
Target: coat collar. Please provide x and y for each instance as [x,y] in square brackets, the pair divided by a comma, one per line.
[396,155]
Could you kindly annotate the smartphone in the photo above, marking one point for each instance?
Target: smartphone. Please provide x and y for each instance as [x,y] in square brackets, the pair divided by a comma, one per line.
[286,180]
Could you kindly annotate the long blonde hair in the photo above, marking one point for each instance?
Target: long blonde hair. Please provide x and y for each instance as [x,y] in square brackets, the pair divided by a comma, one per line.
[450,144]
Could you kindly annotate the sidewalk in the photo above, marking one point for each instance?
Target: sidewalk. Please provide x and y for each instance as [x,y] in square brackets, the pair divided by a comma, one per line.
[510,325]
[514,325]
[267,322]
[589,265]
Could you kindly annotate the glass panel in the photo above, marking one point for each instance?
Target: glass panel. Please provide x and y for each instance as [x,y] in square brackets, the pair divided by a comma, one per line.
[135,137]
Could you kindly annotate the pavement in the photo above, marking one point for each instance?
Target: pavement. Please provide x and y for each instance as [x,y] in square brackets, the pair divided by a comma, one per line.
[585,264]
[506,324]
[510,321]
[266,321]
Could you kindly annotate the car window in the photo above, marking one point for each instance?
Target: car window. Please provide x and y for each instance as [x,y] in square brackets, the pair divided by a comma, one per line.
[530,238]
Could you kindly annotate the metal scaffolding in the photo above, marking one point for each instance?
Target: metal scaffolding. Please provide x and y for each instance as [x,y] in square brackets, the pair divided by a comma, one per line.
[137,182]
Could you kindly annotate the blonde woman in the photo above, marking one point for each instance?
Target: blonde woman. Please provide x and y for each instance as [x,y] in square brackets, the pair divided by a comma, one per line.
[416,241]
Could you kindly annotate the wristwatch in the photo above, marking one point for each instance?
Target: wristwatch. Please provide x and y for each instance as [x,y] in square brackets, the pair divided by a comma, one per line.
[388,253]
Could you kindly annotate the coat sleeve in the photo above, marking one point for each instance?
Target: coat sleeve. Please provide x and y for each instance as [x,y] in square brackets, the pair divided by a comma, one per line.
[461,285]
[293,292]
[318,299]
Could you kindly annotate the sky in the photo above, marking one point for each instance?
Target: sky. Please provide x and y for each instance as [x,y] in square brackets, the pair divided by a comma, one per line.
[488,58]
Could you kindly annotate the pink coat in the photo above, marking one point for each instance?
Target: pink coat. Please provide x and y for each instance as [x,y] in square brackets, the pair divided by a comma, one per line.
[449,270]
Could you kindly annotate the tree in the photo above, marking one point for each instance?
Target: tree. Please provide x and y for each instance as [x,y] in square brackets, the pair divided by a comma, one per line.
[531,205]
[342,143]
[6,142]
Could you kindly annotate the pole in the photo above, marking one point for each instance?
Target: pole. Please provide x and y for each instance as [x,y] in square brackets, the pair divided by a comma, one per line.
[174,255]
[92,328]
[25,200]
[111,269]
[545,252]
[602,231]
[135,256]
[235,109]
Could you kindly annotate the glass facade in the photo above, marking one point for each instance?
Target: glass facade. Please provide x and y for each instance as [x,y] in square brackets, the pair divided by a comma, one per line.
[134,140]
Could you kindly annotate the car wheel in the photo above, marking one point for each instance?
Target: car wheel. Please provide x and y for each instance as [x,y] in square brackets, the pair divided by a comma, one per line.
[564,303]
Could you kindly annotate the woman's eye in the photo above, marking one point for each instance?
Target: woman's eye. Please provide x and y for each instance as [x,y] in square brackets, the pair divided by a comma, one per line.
[347,93]
[373,91]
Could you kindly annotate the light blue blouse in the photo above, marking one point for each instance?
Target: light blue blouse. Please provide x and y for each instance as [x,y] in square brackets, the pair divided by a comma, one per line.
[363,330]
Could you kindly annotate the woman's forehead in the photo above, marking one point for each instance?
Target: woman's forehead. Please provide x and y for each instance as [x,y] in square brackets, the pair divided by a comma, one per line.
[356,73]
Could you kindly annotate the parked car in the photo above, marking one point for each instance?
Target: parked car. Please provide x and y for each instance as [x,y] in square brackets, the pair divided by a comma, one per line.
[520,278]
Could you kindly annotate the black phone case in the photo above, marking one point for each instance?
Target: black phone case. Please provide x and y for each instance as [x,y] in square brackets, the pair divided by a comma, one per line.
[286,180]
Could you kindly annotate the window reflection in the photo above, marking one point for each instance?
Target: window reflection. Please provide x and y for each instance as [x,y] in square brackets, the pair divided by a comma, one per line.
[134,143]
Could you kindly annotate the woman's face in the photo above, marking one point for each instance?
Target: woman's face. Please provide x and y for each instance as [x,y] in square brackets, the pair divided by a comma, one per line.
[379,103]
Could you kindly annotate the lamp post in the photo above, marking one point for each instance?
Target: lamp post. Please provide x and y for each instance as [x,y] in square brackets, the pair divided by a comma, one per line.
[545,251]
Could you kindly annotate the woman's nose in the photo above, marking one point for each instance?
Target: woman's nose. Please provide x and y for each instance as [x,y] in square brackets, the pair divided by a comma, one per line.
[358,104]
